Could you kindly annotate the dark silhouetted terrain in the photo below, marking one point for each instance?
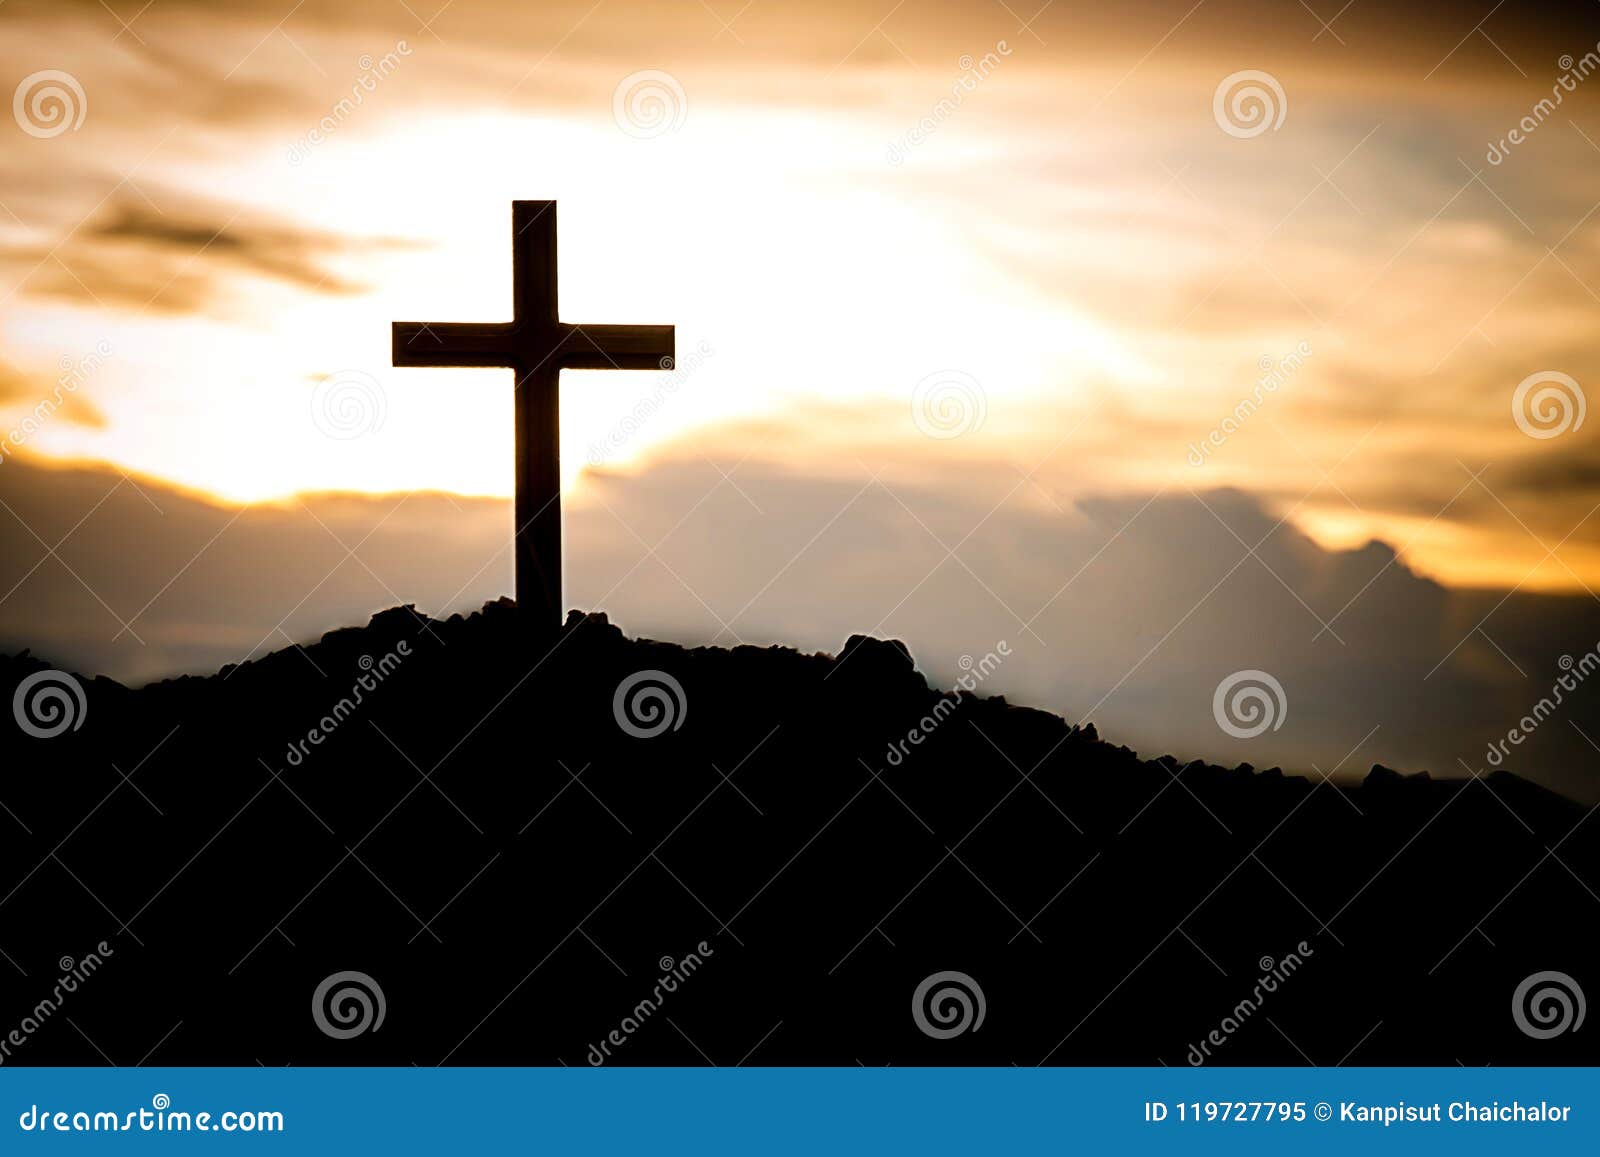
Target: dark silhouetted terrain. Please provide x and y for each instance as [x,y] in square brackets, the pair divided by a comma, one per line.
[514,869]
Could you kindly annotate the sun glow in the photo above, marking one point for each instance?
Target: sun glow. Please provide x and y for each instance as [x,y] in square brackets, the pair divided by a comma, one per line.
[789,283]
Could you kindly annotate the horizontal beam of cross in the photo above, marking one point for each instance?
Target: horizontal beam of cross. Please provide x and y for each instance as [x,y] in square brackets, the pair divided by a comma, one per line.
[515,345]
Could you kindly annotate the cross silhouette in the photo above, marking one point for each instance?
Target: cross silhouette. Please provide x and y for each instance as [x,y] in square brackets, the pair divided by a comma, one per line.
[538,346]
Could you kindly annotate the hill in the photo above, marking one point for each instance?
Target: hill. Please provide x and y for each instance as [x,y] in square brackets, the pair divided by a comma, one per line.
[449,841]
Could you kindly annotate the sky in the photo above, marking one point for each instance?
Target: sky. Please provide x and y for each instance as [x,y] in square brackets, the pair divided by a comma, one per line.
[999,290]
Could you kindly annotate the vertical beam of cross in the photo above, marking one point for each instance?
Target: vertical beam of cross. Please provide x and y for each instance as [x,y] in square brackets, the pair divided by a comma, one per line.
[536,345]
[537,410]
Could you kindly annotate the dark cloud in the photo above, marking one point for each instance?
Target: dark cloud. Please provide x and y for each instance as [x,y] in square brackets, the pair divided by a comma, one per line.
[169,253]
[1120,609]
[1401,43]
[1576,471]
[289,254]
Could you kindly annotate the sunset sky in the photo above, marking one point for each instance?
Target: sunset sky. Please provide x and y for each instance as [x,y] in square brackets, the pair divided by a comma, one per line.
[994,255]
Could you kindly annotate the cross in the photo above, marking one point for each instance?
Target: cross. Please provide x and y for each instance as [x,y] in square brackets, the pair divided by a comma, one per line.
[538,346]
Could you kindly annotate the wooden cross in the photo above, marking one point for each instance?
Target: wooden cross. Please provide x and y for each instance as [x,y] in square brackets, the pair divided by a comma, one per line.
[538,346]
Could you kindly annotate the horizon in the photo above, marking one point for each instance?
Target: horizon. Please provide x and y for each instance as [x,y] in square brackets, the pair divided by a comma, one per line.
[894,754]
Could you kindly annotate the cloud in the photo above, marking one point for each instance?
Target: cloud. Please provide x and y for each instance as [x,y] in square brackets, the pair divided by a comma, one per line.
[57,399]
[1125,610]
[14,386]
[1572,471]
[171,253]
